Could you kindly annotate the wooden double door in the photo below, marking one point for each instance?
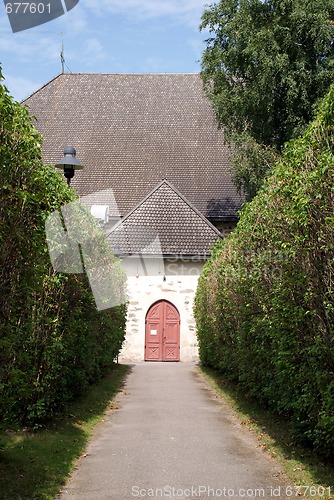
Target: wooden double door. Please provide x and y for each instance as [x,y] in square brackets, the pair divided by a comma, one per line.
[162,332]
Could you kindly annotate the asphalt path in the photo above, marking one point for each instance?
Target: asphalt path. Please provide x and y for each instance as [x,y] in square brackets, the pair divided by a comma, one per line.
[172,437]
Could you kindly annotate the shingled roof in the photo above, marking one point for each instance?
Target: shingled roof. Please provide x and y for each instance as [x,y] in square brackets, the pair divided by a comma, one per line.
[164,223]
[131,131]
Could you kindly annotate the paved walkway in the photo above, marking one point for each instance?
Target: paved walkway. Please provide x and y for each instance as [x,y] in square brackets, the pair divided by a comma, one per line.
[171,437]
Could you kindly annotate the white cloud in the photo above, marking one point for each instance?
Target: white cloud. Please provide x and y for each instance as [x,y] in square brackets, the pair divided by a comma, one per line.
[31,43]
[153,64]
[132,25]
[197,45]
[21,87]
[93,51]
[75,21]
[185,11]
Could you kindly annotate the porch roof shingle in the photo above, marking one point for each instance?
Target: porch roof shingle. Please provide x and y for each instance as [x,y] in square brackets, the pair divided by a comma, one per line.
[164,223]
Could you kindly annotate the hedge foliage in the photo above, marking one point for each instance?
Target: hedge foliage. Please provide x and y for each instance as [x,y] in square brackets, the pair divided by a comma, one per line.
[53,340]
[265,301]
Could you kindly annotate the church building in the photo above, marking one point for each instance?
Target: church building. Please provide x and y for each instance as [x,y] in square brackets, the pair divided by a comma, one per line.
[157,176]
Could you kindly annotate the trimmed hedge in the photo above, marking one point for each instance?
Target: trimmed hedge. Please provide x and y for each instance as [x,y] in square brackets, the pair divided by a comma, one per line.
[53,340]
[265,301]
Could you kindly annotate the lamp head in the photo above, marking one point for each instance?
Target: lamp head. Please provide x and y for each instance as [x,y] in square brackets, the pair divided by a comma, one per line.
[69,163]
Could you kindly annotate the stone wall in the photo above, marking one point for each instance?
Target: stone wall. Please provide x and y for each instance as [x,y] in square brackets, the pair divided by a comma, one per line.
[174,280]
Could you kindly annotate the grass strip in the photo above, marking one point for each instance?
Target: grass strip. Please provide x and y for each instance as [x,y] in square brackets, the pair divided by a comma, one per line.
[302,465]
[35,465]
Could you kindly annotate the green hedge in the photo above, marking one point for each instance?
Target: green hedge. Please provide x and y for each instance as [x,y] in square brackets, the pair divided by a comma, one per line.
[264,304]
[53,340]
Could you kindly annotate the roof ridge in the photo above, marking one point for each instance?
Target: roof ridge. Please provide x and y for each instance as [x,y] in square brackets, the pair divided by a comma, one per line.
[179,194]
[75,73]
[192,207]
[86,73]
[136,207]
[43,86]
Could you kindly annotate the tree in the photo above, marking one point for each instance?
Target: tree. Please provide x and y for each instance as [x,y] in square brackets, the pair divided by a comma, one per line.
[53,340]
[264,304]
[265,67]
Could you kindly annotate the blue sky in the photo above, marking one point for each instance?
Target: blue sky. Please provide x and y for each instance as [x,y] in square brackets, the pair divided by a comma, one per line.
[104,36]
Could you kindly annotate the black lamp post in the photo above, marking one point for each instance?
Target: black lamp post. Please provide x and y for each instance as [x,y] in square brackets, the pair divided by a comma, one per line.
[69,163]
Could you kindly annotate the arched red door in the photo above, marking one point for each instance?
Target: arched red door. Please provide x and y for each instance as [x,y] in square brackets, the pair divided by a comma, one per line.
[162,332]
